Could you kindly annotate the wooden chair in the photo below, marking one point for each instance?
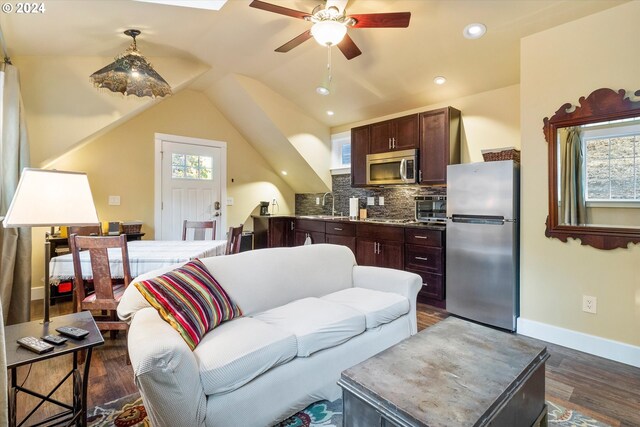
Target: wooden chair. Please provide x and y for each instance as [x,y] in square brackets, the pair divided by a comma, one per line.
[233,240]
[199,229]
[107,293]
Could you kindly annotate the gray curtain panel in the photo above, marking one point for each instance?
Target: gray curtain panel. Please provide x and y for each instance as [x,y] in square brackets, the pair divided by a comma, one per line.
[15,243]
[573,209]
[4,422]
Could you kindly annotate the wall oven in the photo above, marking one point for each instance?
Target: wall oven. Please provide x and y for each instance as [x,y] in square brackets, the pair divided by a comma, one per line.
[394,167]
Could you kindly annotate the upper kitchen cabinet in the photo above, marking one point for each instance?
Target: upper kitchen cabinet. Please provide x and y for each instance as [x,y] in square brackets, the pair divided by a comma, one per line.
[359,151]
[394,135]
[439,144]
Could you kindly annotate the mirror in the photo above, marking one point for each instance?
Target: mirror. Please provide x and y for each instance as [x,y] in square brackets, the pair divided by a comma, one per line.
[594,170]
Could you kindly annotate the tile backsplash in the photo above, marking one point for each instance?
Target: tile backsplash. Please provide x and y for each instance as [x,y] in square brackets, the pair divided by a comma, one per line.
[398,200]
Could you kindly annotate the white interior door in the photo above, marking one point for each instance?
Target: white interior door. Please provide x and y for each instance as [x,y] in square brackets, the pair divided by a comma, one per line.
[192,185]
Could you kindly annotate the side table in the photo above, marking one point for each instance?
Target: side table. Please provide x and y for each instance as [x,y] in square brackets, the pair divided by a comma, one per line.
[74,413]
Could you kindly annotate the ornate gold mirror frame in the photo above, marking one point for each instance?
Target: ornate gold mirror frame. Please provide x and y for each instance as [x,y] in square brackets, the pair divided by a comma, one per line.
[602,105]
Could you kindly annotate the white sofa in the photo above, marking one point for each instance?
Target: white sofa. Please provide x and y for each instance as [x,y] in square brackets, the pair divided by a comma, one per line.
[309,313]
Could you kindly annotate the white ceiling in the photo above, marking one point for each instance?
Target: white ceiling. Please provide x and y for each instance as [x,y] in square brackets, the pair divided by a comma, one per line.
[394,73]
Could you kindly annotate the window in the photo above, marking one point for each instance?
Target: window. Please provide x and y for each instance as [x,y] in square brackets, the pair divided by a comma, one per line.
[188,166]
[612,160]
[341,152]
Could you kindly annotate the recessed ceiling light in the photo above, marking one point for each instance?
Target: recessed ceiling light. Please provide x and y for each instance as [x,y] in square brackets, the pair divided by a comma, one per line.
[329,113]
[439,80]
[322,90]
[284,172]
[474,31]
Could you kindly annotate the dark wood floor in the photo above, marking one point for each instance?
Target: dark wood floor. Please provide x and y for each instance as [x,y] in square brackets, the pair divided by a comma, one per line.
[606,390]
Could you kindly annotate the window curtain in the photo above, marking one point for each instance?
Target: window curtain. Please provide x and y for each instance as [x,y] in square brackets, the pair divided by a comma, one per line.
[4,404]
[15,243]
[573,210]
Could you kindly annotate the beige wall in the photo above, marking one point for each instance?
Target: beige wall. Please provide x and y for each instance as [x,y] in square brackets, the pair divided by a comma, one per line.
[121,162]
[489,120]
[63,108]
[558,66]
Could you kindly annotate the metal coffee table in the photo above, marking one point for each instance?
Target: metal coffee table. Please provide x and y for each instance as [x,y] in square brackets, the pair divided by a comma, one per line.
[455,373]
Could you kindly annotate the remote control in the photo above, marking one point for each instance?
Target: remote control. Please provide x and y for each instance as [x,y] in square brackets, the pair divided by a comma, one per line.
[35,345]
[73,332]
[54,339]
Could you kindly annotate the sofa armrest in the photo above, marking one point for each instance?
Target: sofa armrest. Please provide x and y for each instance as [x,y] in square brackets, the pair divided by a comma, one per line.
[389,280]
[166,372]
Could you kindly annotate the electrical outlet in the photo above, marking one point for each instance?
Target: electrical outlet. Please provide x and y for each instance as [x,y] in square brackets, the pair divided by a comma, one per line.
[589,304]
[381,201]
[317,200]
[230,201]
[371,201]
[114,200]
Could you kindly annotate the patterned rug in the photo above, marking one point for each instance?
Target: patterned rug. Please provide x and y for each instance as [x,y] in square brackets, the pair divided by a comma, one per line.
[129,412]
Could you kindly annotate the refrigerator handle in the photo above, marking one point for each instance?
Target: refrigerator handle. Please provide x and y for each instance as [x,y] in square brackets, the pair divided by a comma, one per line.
[479,219]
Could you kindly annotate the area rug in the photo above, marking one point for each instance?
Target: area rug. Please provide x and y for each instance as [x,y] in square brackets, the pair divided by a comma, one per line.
[129,412]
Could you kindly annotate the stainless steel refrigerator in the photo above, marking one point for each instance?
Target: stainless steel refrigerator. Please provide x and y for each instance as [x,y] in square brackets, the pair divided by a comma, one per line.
[482,251]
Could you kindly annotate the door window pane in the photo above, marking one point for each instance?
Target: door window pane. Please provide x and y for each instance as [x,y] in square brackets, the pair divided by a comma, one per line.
[189,166]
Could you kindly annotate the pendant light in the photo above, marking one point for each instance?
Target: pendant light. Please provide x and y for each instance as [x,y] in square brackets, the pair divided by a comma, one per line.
[131,74]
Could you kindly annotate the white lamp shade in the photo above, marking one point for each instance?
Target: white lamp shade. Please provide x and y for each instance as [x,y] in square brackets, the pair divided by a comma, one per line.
[50,197]
[328,33]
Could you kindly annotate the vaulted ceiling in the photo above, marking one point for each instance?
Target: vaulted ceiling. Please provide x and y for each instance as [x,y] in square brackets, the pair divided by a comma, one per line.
[199,49]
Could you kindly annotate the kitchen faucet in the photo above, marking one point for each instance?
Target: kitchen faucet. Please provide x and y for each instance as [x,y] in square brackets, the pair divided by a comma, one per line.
[333,202]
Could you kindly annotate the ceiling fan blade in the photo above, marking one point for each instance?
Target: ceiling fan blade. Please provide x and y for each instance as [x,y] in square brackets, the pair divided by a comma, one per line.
[348,47]
[382,20]
[278,9]
[294,42]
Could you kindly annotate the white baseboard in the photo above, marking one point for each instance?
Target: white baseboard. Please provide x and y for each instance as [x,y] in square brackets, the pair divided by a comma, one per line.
[603,347]
[37,293]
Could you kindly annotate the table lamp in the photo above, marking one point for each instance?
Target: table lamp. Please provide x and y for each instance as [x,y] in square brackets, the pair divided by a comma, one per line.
[47,198]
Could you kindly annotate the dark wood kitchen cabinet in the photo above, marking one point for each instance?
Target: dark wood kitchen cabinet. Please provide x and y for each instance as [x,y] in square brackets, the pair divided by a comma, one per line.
[341,233]
[424,255]
[273,232]
[380,245]
[310,228]
[359,151]
[439,144]
[394,135]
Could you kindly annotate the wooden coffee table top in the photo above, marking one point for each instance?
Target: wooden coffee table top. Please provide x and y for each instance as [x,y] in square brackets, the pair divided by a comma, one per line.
[453,373]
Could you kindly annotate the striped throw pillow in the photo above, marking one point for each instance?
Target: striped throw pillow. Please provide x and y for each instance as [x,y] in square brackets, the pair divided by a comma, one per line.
[190,299]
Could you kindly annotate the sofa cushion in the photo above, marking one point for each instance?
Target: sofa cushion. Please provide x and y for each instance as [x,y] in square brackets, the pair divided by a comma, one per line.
[190,300]
[316,323]
[238,351]
[267,278]
[378,307]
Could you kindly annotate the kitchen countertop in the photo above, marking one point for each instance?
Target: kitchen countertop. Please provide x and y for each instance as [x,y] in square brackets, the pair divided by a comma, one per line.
[377,221]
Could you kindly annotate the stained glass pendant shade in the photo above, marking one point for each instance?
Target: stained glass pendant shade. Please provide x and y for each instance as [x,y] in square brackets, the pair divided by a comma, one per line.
[131,74]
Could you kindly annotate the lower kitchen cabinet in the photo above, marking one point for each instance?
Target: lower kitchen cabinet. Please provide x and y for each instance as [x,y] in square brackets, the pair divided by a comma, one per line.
[380,253]
[272,232]
[424,255]
[341,233]
[380,245]
[308,228]
[314,236]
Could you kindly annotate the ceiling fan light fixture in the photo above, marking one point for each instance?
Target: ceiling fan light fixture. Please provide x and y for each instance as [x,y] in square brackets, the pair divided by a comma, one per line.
[131,74]
[328,33]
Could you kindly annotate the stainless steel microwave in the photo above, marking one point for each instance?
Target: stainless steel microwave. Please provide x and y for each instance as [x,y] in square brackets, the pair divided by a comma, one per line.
[393,167]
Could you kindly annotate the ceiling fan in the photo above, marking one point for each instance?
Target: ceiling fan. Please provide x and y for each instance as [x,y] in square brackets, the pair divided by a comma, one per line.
[330,24]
